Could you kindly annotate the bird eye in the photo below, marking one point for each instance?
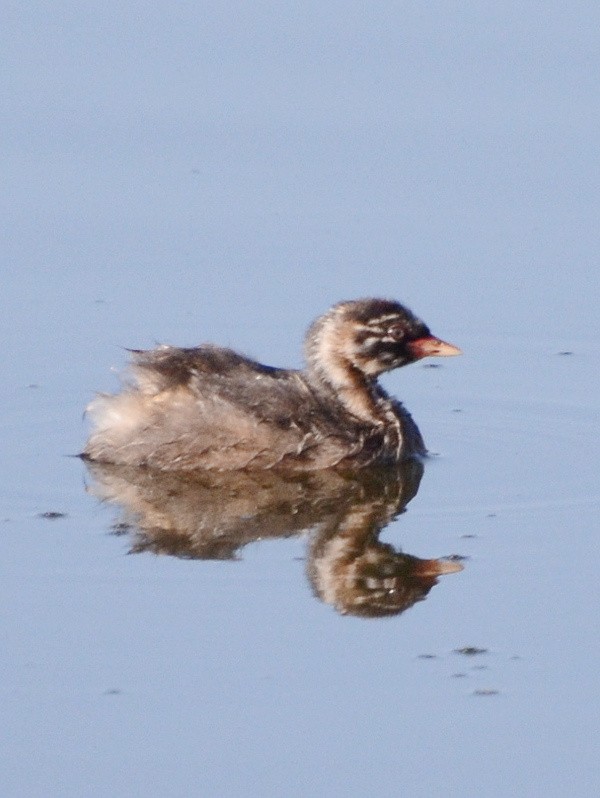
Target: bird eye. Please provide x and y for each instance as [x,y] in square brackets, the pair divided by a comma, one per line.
[396,331]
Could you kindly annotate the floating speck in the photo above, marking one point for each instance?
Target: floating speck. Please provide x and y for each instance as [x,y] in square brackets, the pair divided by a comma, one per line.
[468,536]
[427,656]
[113,691]
[470,651]
[566,352]
[52,515]
[120,528]
[486,692]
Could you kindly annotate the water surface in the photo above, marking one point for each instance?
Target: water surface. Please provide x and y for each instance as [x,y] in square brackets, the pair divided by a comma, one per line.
[185,174]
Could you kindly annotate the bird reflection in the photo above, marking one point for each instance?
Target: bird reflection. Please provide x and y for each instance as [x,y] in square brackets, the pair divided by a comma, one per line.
[213,515]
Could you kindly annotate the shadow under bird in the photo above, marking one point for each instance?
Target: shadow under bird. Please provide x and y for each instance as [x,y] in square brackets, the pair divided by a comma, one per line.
[211,408]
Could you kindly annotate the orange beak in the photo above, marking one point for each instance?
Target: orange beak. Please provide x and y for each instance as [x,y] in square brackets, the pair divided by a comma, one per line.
[429,568]
[431,347]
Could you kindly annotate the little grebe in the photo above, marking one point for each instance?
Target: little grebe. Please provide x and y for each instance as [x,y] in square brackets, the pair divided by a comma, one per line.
[211,408]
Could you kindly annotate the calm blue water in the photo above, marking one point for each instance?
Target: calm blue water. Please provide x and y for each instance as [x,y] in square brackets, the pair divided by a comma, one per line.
[224,172]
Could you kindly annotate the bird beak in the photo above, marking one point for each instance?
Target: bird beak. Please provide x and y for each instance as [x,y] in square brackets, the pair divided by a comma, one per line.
[431,347]
[427,568]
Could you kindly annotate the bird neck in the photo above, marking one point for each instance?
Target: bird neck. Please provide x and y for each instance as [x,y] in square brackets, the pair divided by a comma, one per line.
[330,370]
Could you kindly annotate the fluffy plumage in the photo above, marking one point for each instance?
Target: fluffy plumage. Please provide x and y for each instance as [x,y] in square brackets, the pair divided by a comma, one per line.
[211,408]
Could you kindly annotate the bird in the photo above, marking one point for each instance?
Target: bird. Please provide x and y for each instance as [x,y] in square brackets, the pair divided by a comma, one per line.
[211,408]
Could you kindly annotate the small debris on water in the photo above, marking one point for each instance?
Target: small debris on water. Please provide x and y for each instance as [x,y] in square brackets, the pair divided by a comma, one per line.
[120,528]
[52,515]
[470,651]
[486,692]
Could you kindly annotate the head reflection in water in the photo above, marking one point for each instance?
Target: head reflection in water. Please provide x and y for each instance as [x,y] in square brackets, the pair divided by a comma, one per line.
[359,575]
[212,515]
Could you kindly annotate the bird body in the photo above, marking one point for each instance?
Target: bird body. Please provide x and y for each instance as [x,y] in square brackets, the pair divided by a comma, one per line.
[211,408]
